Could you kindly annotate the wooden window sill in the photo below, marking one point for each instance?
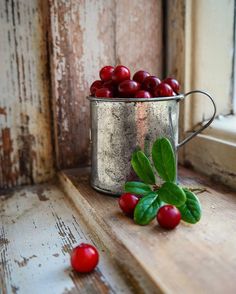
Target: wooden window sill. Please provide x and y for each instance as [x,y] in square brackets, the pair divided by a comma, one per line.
[36,237]
[38,228]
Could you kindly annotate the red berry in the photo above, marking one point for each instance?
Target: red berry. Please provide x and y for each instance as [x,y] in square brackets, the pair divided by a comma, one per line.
[163,90]
[106,73]
[168,217]
[143,94]
[95,85]
[120,73]
[150,83]
[128,203]
[84,258]
[173,83]
[128,88]
[103,93]
[140,76]
[112,86]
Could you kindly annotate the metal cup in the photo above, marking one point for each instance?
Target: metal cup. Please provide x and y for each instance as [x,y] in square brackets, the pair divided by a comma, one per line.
[121,125]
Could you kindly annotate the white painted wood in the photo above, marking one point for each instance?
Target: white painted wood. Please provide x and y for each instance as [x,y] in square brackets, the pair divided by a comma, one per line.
[25,123]
[213,157]
[224,128]
[38,228]
[211,46]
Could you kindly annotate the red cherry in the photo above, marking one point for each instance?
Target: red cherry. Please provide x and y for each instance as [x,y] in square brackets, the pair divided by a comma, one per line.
[168,217]
[163,90]
[127,203]
[103,93]
[150,83]
[120,73]
[106,73]
[128,88]
[84,258]
[173,83]
[95,85]
[140,76]
[143,94]
[112,86]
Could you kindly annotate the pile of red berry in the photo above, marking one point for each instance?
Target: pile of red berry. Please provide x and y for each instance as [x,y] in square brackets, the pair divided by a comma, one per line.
[116,82]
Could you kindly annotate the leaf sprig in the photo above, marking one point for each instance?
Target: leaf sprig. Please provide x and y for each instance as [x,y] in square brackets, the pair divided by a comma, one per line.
[153,195]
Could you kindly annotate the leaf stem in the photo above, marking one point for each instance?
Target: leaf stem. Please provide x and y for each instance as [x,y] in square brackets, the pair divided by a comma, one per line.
[156,187]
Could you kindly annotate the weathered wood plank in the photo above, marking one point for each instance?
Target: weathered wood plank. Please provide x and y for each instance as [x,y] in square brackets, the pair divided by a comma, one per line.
[38,229]
[218,161]
[25,134]
[139,36]
[197,258]
[176,56]
[85,36]
[82,41]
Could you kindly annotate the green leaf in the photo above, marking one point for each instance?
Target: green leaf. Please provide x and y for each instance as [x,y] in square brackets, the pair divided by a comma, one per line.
[164,159]
[190,211]
[137,188]
[142,167]
[172,194]
[146,209]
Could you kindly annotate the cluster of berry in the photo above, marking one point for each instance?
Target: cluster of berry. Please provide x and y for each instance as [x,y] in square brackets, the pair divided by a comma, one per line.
[168,216]
[116,82]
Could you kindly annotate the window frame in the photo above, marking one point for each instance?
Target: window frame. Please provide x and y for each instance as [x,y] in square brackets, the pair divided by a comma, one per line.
[214,151]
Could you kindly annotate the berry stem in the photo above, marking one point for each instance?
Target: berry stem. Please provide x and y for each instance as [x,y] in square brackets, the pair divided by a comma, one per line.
[156,187]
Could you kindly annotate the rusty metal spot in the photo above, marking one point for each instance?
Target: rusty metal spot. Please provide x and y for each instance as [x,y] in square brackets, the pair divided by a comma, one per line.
[25,261]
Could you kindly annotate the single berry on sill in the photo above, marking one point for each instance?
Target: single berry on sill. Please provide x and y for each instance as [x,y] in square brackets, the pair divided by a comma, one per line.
[84,258]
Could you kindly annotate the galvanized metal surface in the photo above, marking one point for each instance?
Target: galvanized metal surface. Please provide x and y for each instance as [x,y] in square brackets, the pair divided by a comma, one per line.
[118,128]
[86,35]
[38,229]
[121,125]
[25,124]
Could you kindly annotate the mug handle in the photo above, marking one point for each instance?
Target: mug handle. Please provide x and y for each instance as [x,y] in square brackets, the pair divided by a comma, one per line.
[205,125]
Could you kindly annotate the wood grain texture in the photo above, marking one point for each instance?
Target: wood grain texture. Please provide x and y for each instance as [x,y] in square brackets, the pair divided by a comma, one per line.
[176,58]
[175,40]
[86,35]
[218,161]
[82,42]
[38,229]
[139,34]
[197,258]
[25,133]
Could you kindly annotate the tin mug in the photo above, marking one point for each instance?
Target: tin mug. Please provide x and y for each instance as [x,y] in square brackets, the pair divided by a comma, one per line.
[120,125]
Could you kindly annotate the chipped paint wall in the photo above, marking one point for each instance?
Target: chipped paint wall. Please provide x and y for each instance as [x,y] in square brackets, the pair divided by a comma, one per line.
[86,35]
[83,36]
[25,124]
